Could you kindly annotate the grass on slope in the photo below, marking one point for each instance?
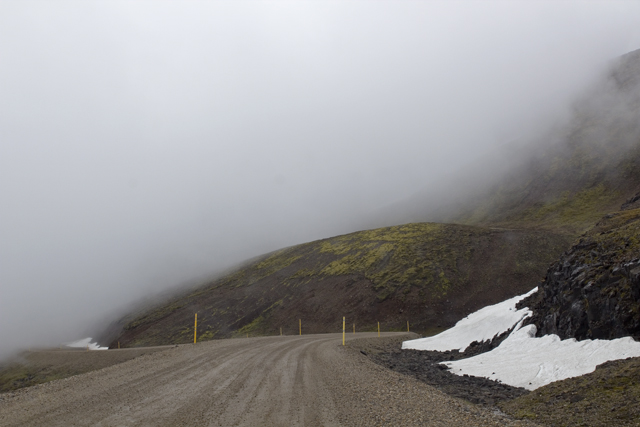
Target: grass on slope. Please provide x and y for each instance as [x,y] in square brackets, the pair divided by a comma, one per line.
[591,169]
[567,190]
[41,366]
[610,396]
[593,290]
[428,274]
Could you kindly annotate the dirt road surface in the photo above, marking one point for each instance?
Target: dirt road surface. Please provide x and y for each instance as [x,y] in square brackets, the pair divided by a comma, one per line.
[309,380]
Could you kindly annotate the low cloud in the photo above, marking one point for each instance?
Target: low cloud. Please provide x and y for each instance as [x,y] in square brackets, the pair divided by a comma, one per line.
[147,144]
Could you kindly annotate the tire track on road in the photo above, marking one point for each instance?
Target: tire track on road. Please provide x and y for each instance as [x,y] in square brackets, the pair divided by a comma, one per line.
[308,380]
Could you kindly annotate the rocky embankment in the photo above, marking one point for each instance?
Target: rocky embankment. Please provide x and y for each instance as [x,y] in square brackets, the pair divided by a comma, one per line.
[425,366]
[593,290]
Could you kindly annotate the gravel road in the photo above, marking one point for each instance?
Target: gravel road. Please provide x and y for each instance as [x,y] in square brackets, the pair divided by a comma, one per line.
[309,380]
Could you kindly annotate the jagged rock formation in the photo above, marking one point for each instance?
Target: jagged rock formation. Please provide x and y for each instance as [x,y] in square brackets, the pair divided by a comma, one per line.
[632,203]
[593,291]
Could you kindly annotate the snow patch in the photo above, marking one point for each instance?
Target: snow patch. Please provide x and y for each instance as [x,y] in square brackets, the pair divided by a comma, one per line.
[86,343]
[522,360]
[480,326]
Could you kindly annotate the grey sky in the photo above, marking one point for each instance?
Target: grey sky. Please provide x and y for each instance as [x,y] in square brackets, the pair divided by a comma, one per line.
[145,143]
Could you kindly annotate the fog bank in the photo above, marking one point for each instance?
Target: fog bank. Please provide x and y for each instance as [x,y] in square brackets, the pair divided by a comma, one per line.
[144,144]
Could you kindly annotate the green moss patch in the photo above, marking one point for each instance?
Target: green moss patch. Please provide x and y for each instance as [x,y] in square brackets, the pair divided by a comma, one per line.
[429,274]
[610,396]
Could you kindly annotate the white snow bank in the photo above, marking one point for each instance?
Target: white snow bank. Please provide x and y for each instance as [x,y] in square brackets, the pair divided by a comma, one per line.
[84,343]
[482,325]
[525,361]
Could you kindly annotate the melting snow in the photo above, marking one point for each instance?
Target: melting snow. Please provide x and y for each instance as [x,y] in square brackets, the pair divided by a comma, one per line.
[482,325]
[522,360]
[84,343]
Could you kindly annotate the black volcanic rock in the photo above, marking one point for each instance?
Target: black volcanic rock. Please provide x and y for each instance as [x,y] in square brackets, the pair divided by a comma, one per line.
[632,203]
[425,366]
[593,291]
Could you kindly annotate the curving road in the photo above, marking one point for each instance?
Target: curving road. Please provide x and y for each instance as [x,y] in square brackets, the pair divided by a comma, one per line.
[309,380]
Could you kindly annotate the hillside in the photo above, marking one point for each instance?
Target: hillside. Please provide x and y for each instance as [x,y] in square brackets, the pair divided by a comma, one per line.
[494,240]
[593,290]
[428,274]
[565,179]
[608,396]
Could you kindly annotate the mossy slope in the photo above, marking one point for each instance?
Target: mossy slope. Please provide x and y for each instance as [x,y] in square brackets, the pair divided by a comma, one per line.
[428,274]
[593,290]
[610,396]
[570,177]
[568,190]
[40,366]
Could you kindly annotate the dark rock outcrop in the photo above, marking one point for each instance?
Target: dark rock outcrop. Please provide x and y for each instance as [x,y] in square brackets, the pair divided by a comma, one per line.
[479,347]
[593,291]
[632,203]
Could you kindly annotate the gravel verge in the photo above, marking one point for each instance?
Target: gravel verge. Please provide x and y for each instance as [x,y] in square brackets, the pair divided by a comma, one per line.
[309,381]
[40,366]
[425,367]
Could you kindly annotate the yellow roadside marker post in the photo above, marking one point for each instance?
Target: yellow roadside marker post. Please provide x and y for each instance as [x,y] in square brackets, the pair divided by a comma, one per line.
[378,328]
[343,331]
[195,329]
[300,325]
[280,330]
[118,345]
[407,326]
[354,328]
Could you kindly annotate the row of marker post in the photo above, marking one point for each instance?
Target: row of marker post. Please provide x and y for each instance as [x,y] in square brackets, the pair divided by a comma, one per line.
[195,329]
[354,329]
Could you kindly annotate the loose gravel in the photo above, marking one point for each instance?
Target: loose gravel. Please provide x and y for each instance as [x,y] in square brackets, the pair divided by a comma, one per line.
[310,380]
[425,366]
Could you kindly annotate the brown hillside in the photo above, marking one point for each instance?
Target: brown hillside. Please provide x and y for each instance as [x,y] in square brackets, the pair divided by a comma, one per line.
[432,274]
[428,274]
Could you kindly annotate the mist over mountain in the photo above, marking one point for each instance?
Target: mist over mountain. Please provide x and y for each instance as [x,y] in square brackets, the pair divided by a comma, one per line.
[567,176]
[426,275]
[146,145]
[433,274]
